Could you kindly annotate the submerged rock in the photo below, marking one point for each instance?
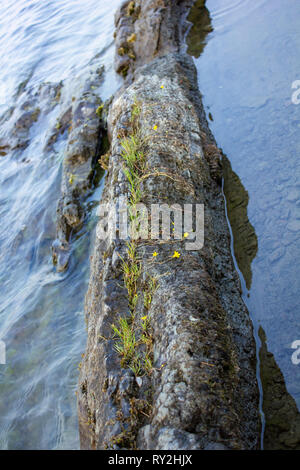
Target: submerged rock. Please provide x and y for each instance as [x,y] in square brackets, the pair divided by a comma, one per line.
[17,122]
[82,129]
[192,383]
[85,132]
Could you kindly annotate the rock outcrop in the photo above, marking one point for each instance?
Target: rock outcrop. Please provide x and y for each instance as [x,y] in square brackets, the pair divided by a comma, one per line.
[85,133]
[170,361]
[18,120]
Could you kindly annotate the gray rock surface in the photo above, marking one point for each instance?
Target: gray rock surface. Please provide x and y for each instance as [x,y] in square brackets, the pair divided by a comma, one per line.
[201,392]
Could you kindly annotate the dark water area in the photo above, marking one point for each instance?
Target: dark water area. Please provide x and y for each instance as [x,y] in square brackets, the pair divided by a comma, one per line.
[247,56]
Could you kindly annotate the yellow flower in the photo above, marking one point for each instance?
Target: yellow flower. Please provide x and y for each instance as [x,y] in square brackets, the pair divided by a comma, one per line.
[161,86]
[155,127]
[154,254]
[176,254]
[131,38]
[71,179]
[144,318]
[185,234]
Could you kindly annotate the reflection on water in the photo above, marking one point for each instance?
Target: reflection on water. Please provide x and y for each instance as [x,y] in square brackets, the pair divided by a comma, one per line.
[244,236]
[201,26]
[245,74]
[41,311]
[282,429]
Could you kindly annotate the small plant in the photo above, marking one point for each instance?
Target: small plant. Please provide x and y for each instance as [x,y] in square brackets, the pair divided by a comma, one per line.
[104,160]
[131,38]
[145,324]
[131,55]
[130,8]
[99,110]
[135,113]
[136,366]
[135,342]
[132,270]
[121,51]
[148,364]
[127,343]
[71,178]
[149,291]
[124,70]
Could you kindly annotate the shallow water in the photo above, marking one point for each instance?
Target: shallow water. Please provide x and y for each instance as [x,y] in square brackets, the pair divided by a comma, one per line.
[245,72]
[41,311]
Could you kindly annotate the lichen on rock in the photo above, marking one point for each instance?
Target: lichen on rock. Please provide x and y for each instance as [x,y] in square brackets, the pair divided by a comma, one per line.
[201,390]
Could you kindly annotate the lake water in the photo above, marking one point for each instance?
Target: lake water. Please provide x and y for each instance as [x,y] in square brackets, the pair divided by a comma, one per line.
[245,72]
[41,311]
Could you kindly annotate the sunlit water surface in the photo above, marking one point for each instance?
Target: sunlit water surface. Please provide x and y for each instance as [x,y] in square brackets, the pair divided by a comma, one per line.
[41,312]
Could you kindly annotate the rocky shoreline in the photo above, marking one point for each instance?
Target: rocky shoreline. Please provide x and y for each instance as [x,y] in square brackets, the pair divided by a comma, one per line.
[190,382]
